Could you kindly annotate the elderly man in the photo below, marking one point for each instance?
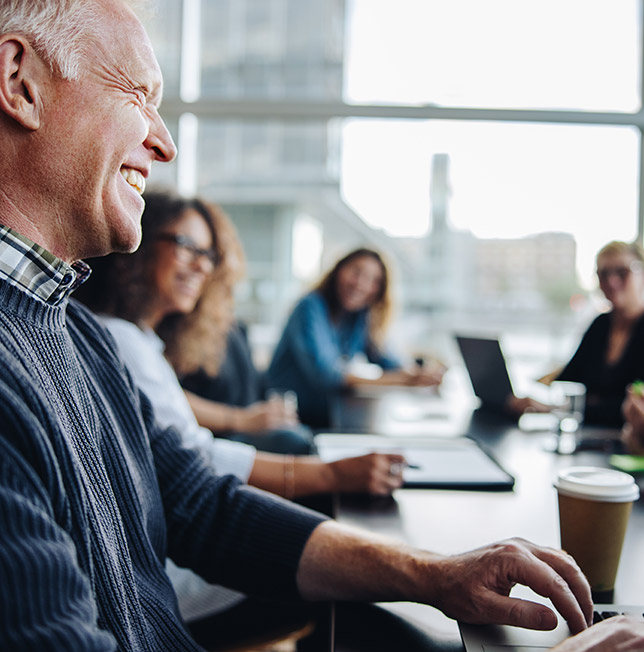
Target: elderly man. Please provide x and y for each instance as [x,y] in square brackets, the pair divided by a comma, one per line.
[93,494]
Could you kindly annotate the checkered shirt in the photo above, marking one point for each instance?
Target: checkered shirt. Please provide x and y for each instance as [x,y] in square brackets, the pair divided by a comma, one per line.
[35,270]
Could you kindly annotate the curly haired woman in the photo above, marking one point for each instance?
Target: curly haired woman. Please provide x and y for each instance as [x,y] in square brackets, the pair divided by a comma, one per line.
[168,294]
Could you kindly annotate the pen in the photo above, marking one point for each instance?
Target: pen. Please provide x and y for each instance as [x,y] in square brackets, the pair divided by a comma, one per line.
[397,468]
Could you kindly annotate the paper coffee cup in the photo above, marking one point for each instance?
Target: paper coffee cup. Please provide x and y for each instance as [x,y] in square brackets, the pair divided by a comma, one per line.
[594,508]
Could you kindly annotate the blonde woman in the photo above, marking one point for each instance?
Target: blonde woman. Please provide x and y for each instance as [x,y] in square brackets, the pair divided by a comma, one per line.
[611,353]
[346,315]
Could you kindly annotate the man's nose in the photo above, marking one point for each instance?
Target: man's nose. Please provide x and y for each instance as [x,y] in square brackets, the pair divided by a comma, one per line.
[160,141]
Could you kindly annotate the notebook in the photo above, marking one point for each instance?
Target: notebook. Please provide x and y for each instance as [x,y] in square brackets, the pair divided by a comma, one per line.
[503,638]
[486,368]
[434,462]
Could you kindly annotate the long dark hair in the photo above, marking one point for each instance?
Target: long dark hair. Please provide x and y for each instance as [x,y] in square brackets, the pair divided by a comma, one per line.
[380,310]
[122,285]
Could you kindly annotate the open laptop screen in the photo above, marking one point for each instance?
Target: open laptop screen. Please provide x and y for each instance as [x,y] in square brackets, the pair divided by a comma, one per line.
[486,368]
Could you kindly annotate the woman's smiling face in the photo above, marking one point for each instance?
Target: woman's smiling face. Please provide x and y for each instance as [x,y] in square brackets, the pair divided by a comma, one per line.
[359,282]
[184,264]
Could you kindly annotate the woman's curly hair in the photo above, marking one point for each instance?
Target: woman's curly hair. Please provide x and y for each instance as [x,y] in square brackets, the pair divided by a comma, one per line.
[122,285]
[380,311]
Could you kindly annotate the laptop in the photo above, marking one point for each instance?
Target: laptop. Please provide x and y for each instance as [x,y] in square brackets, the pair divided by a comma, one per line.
[486,368]
[503,638]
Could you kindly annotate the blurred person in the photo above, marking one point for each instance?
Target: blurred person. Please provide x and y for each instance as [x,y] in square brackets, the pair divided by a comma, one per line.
[633,411]
[611,353]
[344,317]
[185,296]
[188,252]
[176,282]
[94,493]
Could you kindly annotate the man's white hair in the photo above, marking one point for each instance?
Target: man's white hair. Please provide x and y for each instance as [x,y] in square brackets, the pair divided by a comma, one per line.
[57,29]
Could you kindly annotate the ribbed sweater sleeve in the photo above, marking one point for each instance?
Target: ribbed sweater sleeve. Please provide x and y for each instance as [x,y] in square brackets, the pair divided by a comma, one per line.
[93,495]
[46,599]
[229,533]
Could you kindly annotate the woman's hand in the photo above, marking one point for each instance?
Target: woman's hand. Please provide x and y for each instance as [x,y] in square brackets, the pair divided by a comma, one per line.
[519,405]
[633,431]
[375,473]
[265,415]
[428,376]
[618,634]
[416,377]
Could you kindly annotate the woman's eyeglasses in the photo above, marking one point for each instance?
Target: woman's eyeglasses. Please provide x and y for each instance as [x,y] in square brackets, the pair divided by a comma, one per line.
[622,272]
[187,250]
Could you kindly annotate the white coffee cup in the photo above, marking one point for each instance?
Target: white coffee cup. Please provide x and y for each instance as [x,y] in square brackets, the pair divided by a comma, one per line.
[594,509]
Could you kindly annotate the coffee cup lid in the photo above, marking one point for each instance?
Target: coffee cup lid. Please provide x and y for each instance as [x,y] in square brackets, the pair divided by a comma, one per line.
[595,483]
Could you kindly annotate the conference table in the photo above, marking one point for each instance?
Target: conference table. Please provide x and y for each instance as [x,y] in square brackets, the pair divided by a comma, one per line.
[452,521]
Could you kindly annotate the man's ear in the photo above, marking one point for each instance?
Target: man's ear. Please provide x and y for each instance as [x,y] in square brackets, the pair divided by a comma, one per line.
[22,75]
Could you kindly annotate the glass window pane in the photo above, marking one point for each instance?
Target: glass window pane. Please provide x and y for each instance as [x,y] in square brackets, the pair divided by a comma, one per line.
[272,48]
[164,28]
[247,153]
[499,223]
[498,53]
[505,180]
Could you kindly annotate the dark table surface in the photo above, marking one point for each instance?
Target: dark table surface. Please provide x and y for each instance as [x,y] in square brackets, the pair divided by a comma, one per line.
[450,521]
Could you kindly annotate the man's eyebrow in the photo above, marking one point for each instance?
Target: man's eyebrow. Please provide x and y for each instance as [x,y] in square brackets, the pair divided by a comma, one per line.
[155,93]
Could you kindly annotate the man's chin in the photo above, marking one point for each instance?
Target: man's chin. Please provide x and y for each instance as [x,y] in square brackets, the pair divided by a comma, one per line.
[128,239]
[126,222]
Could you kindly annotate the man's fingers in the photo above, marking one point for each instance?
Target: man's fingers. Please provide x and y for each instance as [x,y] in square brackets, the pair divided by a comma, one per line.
[558,578]
[518,612]
[574,579]
[548,572]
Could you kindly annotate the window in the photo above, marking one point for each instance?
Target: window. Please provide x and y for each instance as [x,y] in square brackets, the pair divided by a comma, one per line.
[498,53]
[521,160]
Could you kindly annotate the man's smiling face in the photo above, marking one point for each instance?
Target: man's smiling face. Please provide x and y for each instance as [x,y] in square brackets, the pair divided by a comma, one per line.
[103,133]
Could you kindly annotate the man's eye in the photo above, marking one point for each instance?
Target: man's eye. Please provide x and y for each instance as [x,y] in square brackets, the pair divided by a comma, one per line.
[141,96]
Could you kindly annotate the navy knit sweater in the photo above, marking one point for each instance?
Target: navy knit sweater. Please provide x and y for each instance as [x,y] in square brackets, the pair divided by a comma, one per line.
[94,496]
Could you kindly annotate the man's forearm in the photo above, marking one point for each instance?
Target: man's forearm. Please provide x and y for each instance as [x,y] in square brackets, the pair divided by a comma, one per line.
[341,563]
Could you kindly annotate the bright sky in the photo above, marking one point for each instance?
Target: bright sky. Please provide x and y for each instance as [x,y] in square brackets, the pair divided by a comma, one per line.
[507,180]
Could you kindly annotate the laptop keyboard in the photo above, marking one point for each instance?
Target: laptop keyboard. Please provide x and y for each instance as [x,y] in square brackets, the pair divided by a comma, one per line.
[512,639]
[598,616]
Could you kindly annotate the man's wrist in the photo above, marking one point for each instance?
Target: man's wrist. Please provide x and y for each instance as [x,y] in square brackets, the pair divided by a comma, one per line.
[425,573]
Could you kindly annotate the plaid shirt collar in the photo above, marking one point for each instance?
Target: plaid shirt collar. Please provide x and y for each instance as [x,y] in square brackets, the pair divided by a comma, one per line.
[35,270]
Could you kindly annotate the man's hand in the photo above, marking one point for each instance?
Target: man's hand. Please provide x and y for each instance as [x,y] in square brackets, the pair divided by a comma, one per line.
[618,634]
[376,473]
[474,587]
[342,563]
